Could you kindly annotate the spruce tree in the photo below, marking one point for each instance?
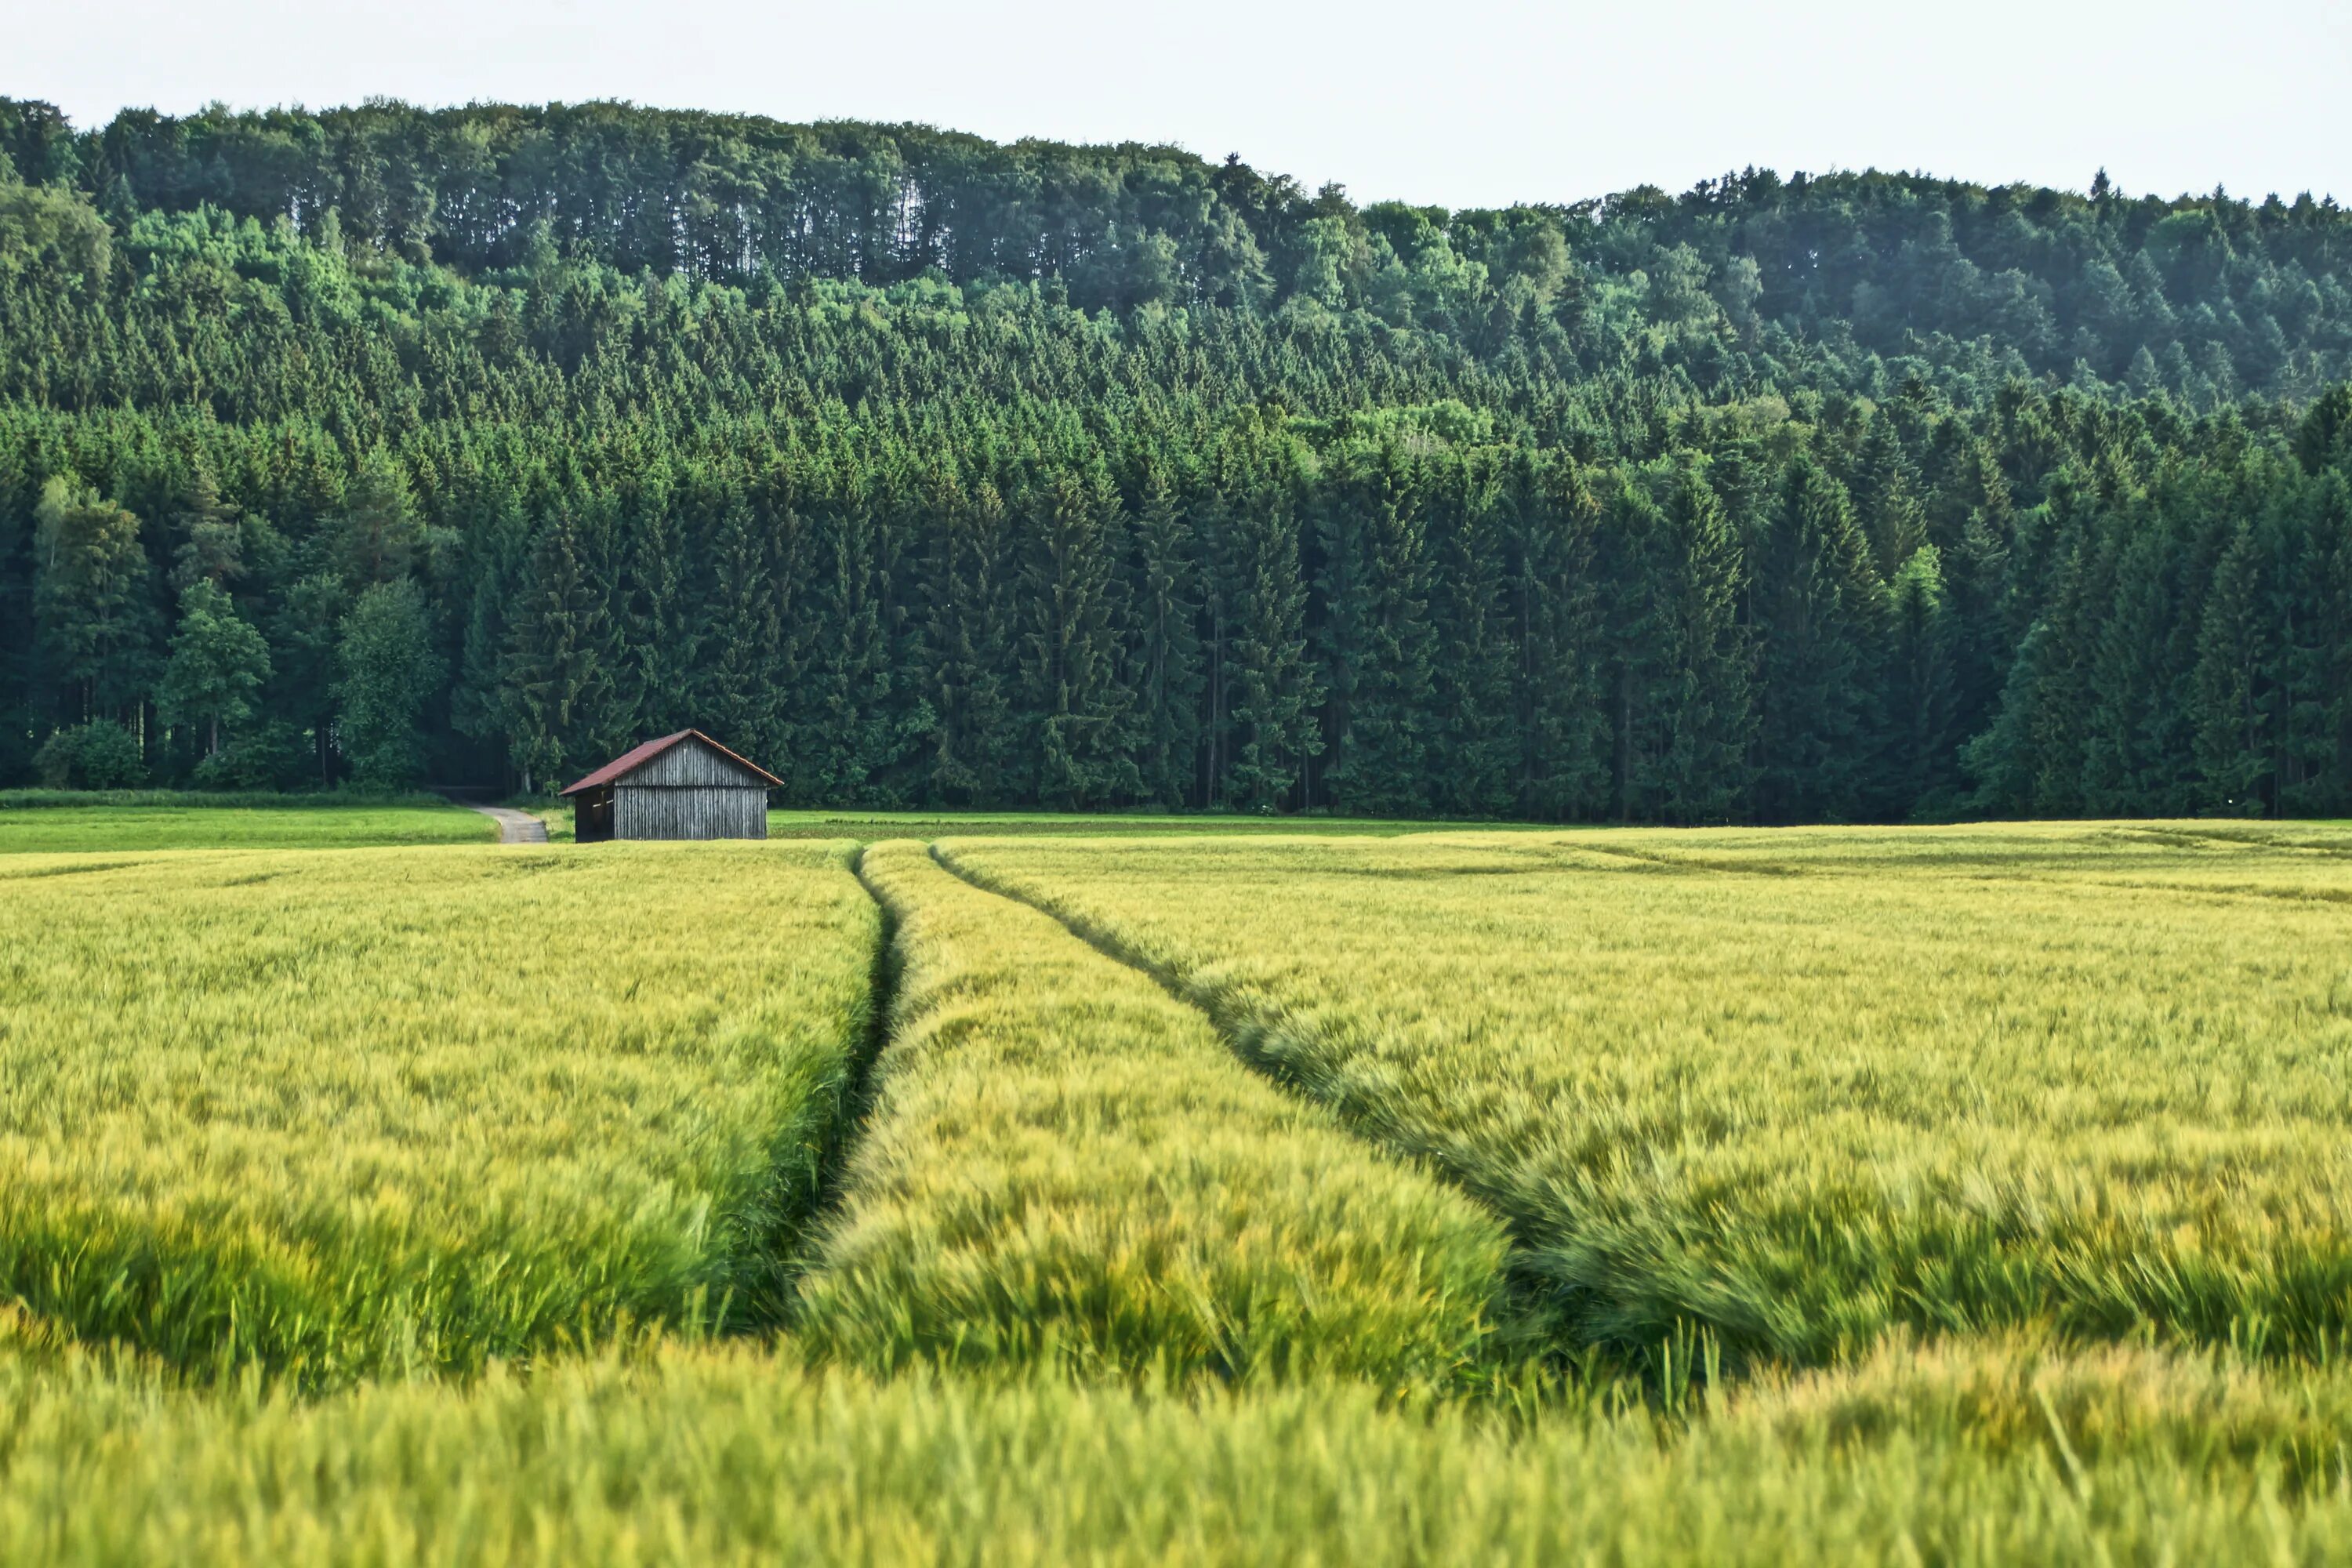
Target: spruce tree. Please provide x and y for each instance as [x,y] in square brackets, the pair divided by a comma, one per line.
[1070,649]
[1818,620]
[1920,688]
[1378,649]
[2234,645]
[553,673]
[1168,646]
[1696,674]
[1473,745]
[739,646]
[1275,686]
[1885,500]
[970,635]
[1555,631]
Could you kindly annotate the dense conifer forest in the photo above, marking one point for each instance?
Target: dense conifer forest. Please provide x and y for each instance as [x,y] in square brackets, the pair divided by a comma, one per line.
[384,445]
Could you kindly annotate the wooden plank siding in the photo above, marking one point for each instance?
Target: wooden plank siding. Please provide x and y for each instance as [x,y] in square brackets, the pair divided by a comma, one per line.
[688,810]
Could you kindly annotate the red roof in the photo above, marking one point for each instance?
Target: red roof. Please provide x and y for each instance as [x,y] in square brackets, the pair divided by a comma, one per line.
[630,761]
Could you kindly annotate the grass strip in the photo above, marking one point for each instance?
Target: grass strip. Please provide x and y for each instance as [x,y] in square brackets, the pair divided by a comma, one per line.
[39,823]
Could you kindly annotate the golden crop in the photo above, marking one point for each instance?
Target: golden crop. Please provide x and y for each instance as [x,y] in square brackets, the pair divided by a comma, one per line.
[346,1109]
[1802,1087]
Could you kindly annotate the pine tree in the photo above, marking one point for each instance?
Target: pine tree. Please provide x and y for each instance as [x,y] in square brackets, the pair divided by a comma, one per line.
[377,538]
[211,544]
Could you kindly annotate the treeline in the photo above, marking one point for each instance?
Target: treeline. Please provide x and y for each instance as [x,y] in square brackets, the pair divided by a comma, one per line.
[1734,506]
[2207,297]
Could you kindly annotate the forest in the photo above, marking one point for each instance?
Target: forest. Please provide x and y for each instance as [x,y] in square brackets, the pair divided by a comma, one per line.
[384,445]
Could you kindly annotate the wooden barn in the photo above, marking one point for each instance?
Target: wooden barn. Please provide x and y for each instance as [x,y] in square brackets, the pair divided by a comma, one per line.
[684,785]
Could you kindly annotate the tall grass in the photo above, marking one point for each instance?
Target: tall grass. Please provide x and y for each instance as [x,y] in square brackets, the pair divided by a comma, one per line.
[1064,1166]
[1801,1089]
[340,1112]
[1993,1455]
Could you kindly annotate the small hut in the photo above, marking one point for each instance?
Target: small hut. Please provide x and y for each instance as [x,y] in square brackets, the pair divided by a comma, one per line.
[684,785]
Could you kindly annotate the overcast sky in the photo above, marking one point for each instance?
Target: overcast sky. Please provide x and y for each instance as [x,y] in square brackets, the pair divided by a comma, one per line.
[1473,103]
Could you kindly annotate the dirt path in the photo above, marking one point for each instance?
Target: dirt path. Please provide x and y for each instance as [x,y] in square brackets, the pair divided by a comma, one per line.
[514,826]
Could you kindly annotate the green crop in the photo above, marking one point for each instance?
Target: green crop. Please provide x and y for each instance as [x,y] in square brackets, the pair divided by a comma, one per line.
[1064,1165]
[393,1205]
[352,1109]
[1999,1455]
[1801,1087]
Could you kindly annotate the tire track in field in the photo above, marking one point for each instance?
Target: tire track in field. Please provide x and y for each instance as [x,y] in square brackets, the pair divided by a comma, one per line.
[1529,1326]
[799,1247]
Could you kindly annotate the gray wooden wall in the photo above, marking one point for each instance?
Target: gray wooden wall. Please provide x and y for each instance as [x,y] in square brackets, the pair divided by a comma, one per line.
[688,810]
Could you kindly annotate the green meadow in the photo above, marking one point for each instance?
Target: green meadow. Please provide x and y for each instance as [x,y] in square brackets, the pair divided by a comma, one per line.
[62,822]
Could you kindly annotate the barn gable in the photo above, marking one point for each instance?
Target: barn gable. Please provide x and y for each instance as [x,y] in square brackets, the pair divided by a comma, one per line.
[693,761]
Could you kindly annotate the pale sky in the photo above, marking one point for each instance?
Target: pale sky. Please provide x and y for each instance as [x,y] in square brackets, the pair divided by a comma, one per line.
[1475,102]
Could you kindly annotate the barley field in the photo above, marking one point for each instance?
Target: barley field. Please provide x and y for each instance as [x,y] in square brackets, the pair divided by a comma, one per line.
[686,1456]
[1802,1088]
[1967,1195]
[1064,1166]
[342,1110]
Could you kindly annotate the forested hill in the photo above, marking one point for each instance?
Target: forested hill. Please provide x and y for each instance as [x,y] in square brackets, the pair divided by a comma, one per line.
[383,443]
